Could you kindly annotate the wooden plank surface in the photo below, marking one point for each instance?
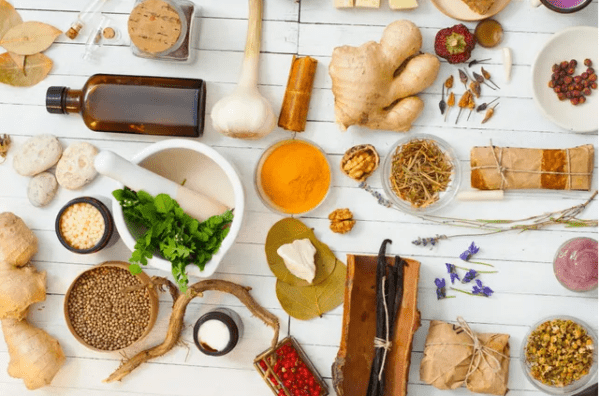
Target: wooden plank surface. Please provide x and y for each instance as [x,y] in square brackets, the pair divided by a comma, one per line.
[525,288]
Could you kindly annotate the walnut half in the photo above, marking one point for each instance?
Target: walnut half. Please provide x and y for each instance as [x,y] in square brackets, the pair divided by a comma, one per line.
[341,221]
[359,162]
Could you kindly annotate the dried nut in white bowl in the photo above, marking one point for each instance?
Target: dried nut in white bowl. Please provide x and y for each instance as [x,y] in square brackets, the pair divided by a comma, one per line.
[359,162]
[76,167]
[42,189]
[37,154]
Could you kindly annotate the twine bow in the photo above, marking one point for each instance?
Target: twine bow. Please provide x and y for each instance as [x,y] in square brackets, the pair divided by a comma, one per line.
[386,344]
[502,170]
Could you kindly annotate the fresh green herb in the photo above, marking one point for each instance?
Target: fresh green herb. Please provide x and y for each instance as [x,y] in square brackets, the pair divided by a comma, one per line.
[180,238]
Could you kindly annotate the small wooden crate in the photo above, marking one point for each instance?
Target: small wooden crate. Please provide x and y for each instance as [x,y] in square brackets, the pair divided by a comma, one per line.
[269,357]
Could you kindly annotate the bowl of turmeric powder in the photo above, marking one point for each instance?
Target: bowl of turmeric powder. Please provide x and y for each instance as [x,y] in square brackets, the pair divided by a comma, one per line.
[292,176]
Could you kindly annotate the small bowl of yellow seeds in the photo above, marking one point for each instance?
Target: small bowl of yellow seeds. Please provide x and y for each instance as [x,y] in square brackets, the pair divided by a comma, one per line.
[559,355]
[84,225]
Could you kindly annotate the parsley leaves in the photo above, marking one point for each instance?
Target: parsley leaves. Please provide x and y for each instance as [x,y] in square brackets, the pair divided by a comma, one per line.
[178,237]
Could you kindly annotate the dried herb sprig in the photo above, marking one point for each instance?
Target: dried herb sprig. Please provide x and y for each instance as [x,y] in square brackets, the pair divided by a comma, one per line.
[420,171]
[567,217]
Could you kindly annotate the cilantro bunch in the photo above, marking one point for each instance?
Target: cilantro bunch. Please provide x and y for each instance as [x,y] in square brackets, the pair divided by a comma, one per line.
[178,237]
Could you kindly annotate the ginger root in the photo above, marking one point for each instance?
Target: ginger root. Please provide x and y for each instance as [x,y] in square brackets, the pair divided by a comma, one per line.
[35,356]
[180,302]
[374,84]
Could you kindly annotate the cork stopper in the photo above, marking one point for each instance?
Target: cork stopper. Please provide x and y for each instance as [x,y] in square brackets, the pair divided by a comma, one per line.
[154,26]
[109,33]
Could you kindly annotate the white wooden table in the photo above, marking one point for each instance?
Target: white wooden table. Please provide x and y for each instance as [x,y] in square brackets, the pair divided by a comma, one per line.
[525,288]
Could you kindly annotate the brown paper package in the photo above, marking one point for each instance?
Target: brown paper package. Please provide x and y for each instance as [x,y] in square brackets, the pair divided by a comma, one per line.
[447,357]
[526,168]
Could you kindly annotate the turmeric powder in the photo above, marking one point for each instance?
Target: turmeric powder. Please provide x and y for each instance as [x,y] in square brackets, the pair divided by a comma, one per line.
[295,176]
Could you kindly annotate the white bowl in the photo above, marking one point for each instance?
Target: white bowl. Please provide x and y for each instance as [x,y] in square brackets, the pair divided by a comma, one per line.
[204,170]
[577,43]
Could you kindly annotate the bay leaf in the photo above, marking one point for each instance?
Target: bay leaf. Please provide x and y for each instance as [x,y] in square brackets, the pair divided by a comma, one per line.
[19,60]
[306,303]
[37,68]
[9,17]
[29,38]
[287,231]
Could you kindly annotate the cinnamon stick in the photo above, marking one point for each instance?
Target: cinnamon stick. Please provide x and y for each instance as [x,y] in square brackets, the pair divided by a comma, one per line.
[296,100]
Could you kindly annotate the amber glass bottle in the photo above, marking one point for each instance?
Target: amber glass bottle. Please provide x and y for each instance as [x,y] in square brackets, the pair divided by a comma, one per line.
[134,104]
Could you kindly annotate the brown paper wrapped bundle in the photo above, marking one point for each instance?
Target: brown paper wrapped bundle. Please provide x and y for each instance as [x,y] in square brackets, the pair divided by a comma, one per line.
[505,168]
[455,355]
[296,99]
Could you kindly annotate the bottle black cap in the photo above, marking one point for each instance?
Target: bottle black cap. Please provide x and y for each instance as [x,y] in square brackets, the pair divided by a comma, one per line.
[55,100]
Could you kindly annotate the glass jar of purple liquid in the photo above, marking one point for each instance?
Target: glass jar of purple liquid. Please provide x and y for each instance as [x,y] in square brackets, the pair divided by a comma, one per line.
[563,6]
[576,264]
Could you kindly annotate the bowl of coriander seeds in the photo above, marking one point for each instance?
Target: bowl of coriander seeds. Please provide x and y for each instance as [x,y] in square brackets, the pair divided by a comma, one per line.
[108,309]
[559,355]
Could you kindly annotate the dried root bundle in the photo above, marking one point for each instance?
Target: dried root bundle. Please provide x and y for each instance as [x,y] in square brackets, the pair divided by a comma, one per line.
[35,356]
[374,84]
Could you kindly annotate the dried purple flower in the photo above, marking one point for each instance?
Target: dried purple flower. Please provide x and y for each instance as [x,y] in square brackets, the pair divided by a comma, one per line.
[441,288]
[452,271]
[467,254]
[469,276]
[481,290]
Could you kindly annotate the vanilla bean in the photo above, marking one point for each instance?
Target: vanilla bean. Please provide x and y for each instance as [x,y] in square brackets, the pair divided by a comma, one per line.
[373,388]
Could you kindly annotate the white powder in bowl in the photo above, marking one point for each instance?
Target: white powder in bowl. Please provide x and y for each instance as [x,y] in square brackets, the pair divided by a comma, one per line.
[214,335]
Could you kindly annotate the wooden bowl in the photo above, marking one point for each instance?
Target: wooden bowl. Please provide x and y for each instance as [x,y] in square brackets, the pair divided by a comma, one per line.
[142,277]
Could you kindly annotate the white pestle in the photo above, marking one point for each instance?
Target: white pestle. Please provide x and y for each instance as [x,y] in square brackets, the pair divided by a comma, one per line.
[195,204]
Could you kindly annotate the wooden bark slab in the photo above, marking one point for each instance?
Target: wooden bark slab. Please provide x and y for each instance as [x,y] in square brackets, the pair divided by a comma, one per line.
[353,361]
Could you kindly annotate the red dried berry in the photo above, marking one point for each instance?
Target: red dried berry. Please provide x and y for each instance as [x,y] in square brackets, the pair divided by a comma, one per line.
[564,64]
[590,70]
[586,83]
[587,62]
[570,87]
[572,63]
[555,67]
[562,73]
[454,43]
[568,80]
[593,77]
[587,91]
[581,99]
[579,86]
[562,96]
[577,79]
[576,94]
[594,85]
[569,94]
[571,71]
[263,365]
[574,101]
[584,75]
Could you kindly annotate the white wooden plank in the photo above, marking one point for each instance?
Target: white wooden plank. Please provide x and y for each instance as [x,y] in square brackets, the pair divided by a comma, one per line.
[273,10]
[517,16]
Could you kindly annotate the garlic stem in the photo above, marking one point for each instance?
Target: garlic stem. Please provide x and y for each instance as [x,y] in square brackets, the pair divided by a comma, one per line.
[249,76]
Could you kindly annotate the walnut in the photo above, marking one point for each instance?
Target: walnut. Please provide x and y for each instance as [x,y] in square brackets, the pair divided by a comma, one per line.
[359,162]
[341,221]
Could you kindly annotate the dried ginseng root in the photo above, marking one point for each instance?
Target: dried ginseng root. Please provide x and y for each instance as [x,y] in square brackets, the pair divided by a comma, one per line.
[451,103]
[488,77]
[296,100]
[464,101]
[341,221]
[359,162]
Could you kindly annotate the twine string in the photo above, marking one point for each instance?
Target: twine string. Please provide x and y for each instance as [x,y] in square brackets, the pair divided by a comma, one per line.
[386,344]
[502,170]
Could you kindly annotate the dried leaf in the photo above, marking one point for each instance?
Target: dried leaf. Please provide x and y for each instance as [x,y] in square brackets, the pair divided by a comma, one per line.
[37,68]
[29,38]
[305,303]
[9,17]
[287,231]
[18,59]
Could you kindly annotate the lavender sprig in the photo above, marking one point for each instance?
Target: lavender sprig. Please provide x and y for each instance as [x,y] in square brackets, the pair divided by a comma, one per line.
[452,271]
[469,276]
[470,252]
[478,290]
[440,283]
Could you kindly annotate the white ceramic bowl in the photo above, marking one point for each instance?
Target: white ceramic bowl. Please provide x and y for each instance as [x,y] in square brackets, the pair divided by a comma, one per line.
[577,43]
[204,170]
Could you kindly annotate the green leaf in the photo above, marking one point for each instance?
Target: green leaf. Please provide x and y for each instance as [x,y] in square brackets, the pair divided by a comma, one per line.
[163,203]
[144,197]
[135,269]
[305,303]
